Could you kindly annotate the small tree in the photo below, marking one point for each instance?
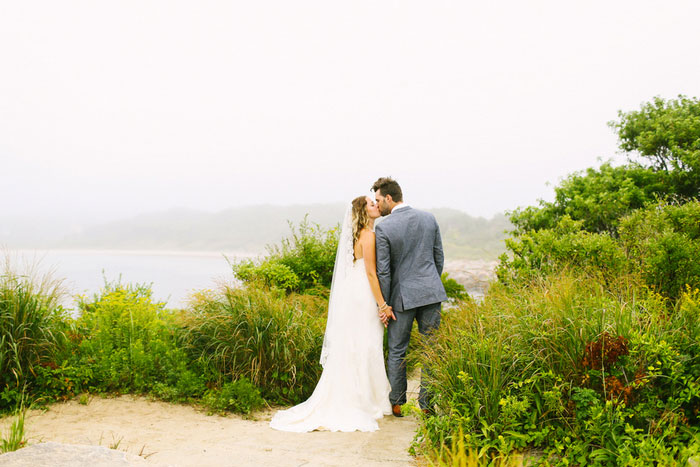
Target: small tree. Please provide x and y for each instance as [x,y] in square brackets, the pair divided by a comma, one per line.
[666,132]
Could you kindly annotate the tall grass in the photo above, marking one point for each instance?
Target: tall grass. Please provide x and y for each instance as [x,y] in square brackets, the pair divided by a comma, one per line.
[458,454]
[272,339]
[14,439]
[30,314]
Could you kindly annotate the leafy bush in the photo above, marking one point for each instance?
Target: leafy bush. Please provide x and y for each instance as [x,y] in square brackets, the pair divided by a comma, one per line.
[663,242]
[129,344]
[268,273]
[664,137]
[545,251]
[240,396]
[272,339]
[660,242]
[597,198]
[590,371]
[302,263]
[453,289]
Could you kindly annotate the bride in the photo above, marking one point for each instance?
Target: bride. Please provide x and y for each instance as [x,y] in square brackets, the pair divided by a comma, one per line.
[353,392]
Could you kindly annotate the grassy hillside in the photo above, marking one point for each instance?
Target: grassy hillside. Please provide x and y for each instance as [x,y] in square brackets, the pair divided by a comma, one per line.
[243,229]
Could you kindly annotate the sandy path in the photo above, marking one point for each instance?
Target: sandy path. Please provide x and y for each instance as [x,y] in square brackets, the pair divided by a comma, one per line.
[179,435]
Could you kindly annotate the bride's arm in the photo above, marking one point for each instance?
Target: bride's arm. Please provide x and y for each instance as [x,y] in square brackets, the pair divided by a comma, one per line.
[369,254]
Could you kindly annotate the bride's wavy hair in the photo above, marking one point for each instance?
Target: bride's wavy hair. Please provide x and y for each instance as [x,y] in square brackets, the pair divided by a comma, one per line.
[360,217]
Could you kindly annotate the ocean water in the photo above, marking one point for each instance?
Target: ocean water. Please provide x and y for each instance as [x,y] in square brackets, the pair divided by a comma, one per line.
[173,275]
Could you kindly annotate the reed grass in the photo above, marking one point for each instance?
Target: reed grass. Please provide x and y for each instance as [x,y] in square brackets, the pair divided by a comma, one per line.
[30,331]
[543,327]
[272,339]
[458,454]
[15,437]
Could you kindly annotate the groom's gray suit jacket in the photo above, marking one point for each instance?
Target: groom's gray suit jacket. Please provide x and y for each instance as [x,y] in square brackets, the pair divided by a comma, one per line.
[410,259]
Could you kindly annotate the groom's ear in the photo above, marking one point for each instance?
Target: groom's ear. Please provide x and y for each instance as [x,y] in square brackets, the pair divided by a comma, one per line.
[388,198]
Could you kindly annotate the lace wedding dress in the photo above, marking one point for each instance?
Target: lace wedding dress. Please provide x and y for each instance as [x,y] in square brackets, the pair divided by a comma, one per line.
[353,392]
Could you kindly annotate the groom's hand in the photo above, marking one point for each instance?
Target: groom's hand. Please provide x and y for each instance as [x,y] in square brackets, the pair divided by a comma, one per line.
[386,314]
[389,314]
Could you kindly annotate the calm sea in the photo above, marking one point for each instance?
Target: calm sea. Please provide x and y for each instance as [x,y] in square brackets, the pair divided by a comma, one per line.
[172,274]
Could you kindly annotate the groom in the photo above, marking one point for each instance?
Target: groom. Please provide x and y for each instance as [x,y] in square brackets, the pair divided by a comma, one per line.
[409,265]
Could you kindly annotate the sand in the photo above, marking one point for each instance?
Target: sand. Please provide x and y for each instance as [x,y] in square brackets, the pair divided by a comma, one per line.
[182,435]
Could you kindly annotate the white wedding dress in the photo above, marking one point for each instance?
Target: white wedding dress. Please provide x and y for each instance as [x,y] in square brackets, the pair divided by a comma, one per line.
[353,392]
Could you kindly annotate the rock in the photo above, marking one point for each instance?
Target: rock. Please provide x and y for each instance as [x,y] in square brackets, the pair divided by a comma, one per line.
[69,455]
[474,275]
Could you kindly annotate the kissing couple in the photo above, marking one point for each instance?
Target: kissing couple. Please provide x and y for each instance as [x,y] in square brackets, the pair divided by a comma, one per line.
[384,277]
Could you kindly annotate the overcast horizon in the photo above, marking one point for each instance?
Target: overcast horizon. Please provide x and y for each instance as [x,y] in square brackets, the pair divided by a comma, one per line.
[109,110]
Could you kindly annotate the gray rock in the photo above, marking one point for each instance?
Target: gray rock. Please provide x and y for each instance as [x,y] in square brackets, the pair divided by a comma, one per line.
[69,455]
[474,275]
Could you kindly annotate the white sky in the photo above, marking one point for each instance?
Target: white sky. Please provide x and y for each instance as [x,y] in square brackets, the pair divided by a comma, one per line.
[113,108]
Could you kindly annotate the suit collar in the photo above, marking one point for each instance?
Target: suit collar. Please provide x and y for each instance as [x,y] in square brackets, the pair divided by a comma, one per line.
[400,207]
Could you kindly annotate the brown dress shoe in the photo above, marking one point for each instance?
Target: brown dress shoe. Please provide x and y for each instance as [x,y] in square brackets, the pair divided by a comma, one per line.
[396,410]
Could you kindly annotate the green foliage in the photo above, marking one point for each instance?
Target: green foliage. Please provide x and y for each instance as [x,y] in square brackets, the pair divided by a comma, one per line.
[302,263]
[240,396]
[587,350]
[30,316]
[268,273]
[664,133]
[660,242]
[453,289]
[129,344]
[587,370]
[272,339]
[52,382]
[544,251]
[667,133]
[663,243]
[597,198]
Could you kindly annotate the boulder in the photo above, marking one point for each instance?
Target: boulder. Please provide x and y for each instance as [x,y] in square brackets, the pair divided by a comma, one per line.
[69,455]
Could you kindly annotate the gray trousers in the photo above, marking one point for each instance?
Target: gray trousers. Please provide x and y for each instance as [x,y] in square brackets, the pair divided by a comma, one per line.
[398,335]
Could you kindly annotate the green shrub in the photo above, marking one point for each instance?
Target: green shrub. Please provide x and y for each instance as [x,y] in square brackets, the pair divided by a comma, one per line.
[453,289]
[129,343]
[240,396]
[302,263]
[567,245]
[598,198]
[663,242]
[54,382]
[272,339]
[269,273]
[660,242]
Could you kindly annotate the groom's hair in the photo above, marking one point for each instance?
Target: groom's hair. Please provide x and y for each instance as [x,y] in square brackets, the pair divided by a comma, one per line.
[388,186]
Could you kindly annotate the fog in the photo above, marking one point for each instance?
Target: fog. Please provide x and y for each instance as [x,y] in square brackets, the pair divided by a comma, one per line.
[111,109]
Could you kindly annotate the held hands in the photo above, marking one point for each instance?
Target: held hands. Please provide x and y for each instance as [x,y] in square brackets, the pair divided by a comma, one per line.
[385,314]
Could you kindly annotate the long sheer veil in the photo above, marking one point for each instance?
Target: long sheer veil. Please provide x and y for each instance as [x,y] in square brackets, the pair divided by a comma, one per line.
[344,259]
